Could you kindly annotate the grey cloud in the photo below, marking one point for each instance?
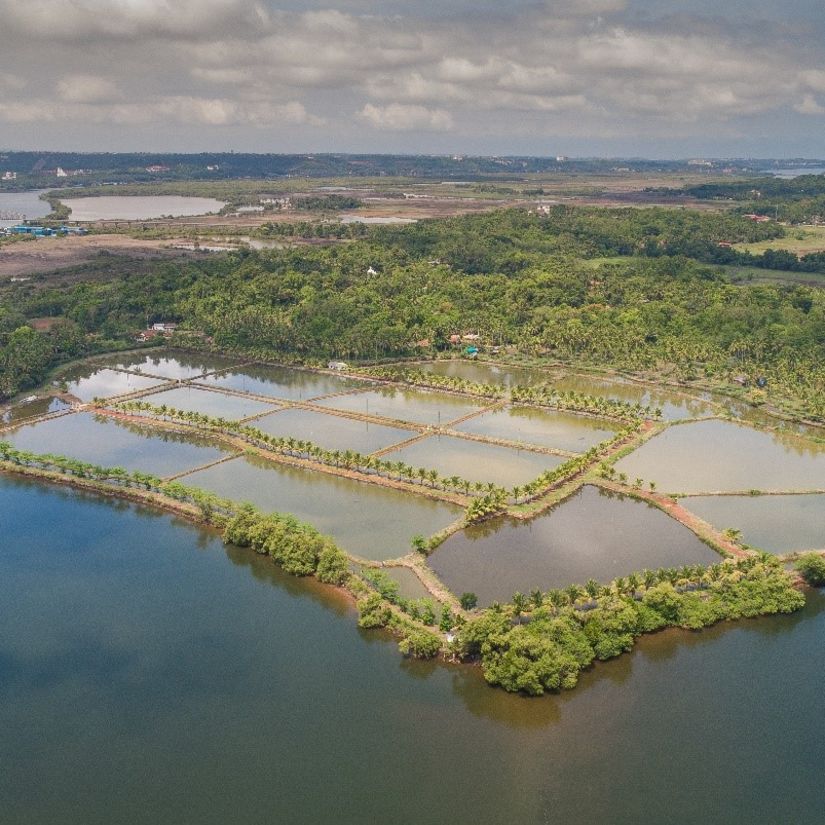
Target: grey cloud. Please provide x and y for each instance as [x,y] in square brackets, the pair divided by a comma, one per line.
[562,66]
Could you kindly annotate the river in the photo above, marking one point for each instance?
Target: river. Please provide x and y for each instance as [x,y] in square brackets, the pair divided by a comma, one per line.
[150,675]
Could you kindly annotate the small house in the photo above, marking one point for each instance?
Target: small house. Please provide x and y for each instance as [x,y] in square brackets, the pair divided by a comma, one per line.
[337,365]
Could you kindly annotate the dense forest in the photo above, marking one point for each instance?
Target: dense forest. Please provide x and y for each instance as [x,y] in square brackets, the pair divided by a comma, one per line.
[616,287]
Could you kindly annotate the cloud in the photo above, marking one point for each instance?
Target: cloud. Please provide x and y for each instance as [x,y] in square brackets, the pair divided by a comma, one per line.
[532,68]
[84,88]
[406,118]
[809,106]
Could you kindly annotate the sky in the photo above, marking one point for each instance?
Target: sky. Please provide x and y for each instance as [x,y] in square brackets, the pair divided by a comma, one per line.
[641,78]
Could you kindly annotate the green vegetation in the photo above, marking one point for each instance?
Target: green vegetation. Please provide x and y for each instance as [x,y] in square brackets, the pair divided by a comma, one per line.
[307,451]
[811,567]
[518,280]
[569,630]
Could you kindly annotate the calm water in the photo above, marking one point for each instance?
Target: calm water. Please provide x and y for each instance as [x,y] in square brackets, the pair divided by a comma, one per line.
[561,430]
[778,524]
[418,406]
[283,382]
[30,409]
[590,535]
[139,207]
[25,205]
[719,455]
[216,404]
[88,382]
[371,521]
[475,461]
[674,405]
[110,443]
[181,366]
[484,373]
[332,432]
[196,685]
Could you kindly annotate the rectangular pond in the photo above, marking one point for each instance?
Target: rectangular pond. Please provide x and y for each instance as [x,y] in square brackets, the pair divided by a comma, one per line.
[332,432]
[32,409]
[216,404]
[177,366]
[711,456]
[109,443]
[283,382]
[481,372]
[778,524]
[475,460]
[675,406]
[560,430]
[592,534]
[365,519]
[87,383]
[417,406]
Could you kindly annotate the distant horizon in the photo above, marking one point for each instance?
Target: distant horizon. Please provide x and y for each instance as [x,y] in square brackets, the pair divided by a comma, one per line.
[458,154]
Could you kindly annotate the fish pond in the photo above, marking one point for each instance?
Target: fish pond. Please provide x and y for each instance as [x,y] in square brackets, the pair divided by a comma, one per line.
[674,405]
[482,372]
[714,455]
[778,524]
[417,406]
[32,409]
[186,662]
[558,430]
[592,534]
[283,382]
[365,519]
[215,404]
[332,432]
[107,442]
[87,383]
[475,460]
[177,366]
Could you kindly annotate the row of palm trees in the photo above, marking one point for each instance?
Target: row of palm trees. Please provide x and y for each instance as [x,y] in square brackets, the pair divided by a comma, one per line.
[434,381]
[685,578]
[207,503]
[309,451]
[544,395]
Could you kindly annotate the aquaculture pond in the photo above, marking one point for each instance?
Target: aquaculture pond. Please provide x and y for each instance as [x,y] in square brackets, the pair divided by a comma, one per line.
[139,207]
[185,662]
[365,519]
[559,430]
[178,366]
[674,405]
[475,460]
[779,524]
[592,534]
[332,432]
[110,443]
[31,409]
[482,372]
[216,404]
[418,406]
[87,383]
[283,382]
[711,456]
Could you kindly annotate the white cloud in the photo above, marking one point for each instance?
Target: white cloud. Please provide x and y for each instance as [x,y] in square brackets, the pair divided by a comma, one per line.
[809,106]
[398,117]
[84,88]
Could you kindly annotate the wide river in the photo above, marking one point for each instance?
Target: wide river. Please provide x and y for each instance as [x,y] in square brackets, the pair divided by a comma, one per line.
[150,675]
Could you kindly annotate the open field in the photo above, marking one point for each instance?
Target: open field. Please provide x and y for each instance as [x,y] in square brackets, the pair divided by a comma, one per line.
[800,240]
[33,258]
